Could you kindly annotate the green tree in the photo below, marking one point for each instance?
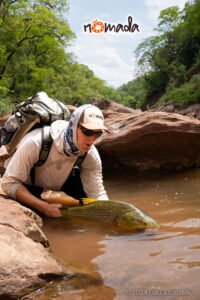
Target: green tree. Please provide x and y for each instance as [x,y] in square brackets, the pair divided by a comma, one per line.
[156,54]
[33,35]
[169,59]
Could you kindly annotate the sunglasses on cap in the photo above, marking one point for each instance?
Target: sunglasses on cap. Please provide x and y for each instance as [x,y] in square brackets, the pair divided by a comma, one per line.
[88,132]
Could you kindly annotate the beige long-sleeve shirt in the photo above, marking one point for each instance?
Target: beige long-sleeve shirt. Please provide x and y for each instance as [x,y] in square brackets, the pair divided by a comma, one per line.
[56,169]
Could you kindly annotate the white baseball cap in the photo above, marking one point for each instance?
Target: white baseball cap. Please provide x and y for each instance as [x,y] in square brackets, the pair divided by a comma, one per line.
[93,119]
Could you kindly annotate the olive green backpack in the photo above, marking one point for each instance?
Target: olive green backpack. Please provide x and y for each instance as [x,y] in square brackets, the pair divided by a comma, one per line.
[38,111]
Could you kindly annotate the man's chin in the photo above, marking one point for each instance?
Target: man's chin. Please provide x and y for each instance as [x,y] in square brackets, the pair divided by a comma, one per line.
[86,148]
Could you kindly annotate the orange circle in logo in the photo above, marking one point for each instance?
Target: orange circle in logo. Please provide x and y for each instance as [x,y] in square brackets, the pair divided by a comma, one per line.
[97,26]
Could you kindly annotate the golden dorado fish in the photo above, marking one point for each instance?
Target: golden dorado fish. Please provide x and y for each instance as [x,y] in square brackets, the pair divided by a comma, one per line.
[124,215]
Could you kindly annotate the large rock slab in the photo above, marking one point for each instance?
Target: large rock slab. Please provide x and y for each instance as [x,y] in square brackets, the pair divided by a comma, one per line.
[26,263]
[22,219]
[142,141]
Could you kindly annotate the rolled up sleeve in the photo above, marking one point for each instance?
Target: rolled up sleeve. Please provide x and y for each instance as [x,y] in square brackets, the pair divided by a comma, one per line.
[10,185]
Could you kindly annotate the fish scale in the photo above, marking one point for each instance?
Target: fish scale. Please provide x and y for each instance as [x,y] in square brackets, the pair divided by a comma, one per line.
[92,212]
[123,214]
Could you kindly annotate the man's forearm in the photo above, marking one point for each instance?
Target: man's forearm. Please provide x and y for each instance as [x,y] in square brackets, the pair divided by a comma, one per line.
[25,197]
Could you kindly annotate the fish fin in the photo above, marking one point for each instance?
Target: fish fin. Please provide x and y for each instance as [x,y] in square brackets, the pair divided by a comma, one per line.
[87,201]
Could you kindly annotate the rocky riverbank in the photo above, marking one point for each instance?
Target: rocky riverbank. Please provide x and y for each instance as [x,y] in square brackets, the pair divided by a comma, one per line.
[26,262]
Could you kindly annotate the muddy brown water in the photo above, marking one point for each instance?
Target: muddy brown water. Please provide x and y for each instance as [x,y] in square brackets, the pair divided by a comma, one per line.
[154,264]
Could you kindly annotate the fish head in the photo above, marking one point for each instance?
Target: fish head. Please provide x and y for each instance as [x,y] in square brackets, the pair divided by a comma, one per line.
[136,219]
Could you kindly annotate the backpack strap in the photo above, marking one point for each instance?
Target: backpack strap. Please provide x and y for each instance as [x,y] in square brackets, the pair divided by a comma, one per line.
[46,146]
[80,159]
[44,152]
[77,164]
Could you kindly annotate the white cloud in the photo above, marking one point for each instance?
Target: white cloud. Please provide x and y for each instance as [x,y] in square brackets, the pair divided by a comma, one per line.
[155,6]
[102,56]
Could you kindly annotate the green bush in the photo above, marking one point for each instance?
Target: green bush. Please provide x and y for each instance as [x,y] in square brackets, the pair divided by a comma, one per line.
[188,92]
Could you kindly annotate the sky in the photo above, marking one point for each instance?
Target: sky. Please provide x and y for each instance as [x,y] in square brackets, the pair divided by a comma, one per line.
[110,55]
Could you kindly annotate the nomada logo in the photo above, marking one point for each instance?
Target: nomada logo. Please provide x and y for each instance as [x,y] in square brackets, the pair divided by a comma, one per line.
[99,27]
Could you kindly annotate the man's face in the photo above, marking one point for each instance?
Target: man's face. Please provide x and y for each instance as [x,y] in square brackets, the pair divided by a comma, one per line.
[84,142]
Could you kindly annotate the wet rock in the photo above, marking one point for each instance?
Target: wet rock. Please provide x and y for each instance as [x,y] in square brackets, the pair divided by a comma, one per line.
[25,260]
[146,141]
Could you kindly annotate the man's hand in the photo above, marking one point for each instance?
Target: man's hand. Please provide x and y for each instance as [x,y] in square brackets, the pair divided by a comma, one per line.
[52,210]
[49,210]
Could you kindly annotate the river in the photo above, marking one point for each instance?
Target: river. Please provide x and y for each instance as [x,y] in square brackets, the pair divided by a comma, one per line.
[157,264]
